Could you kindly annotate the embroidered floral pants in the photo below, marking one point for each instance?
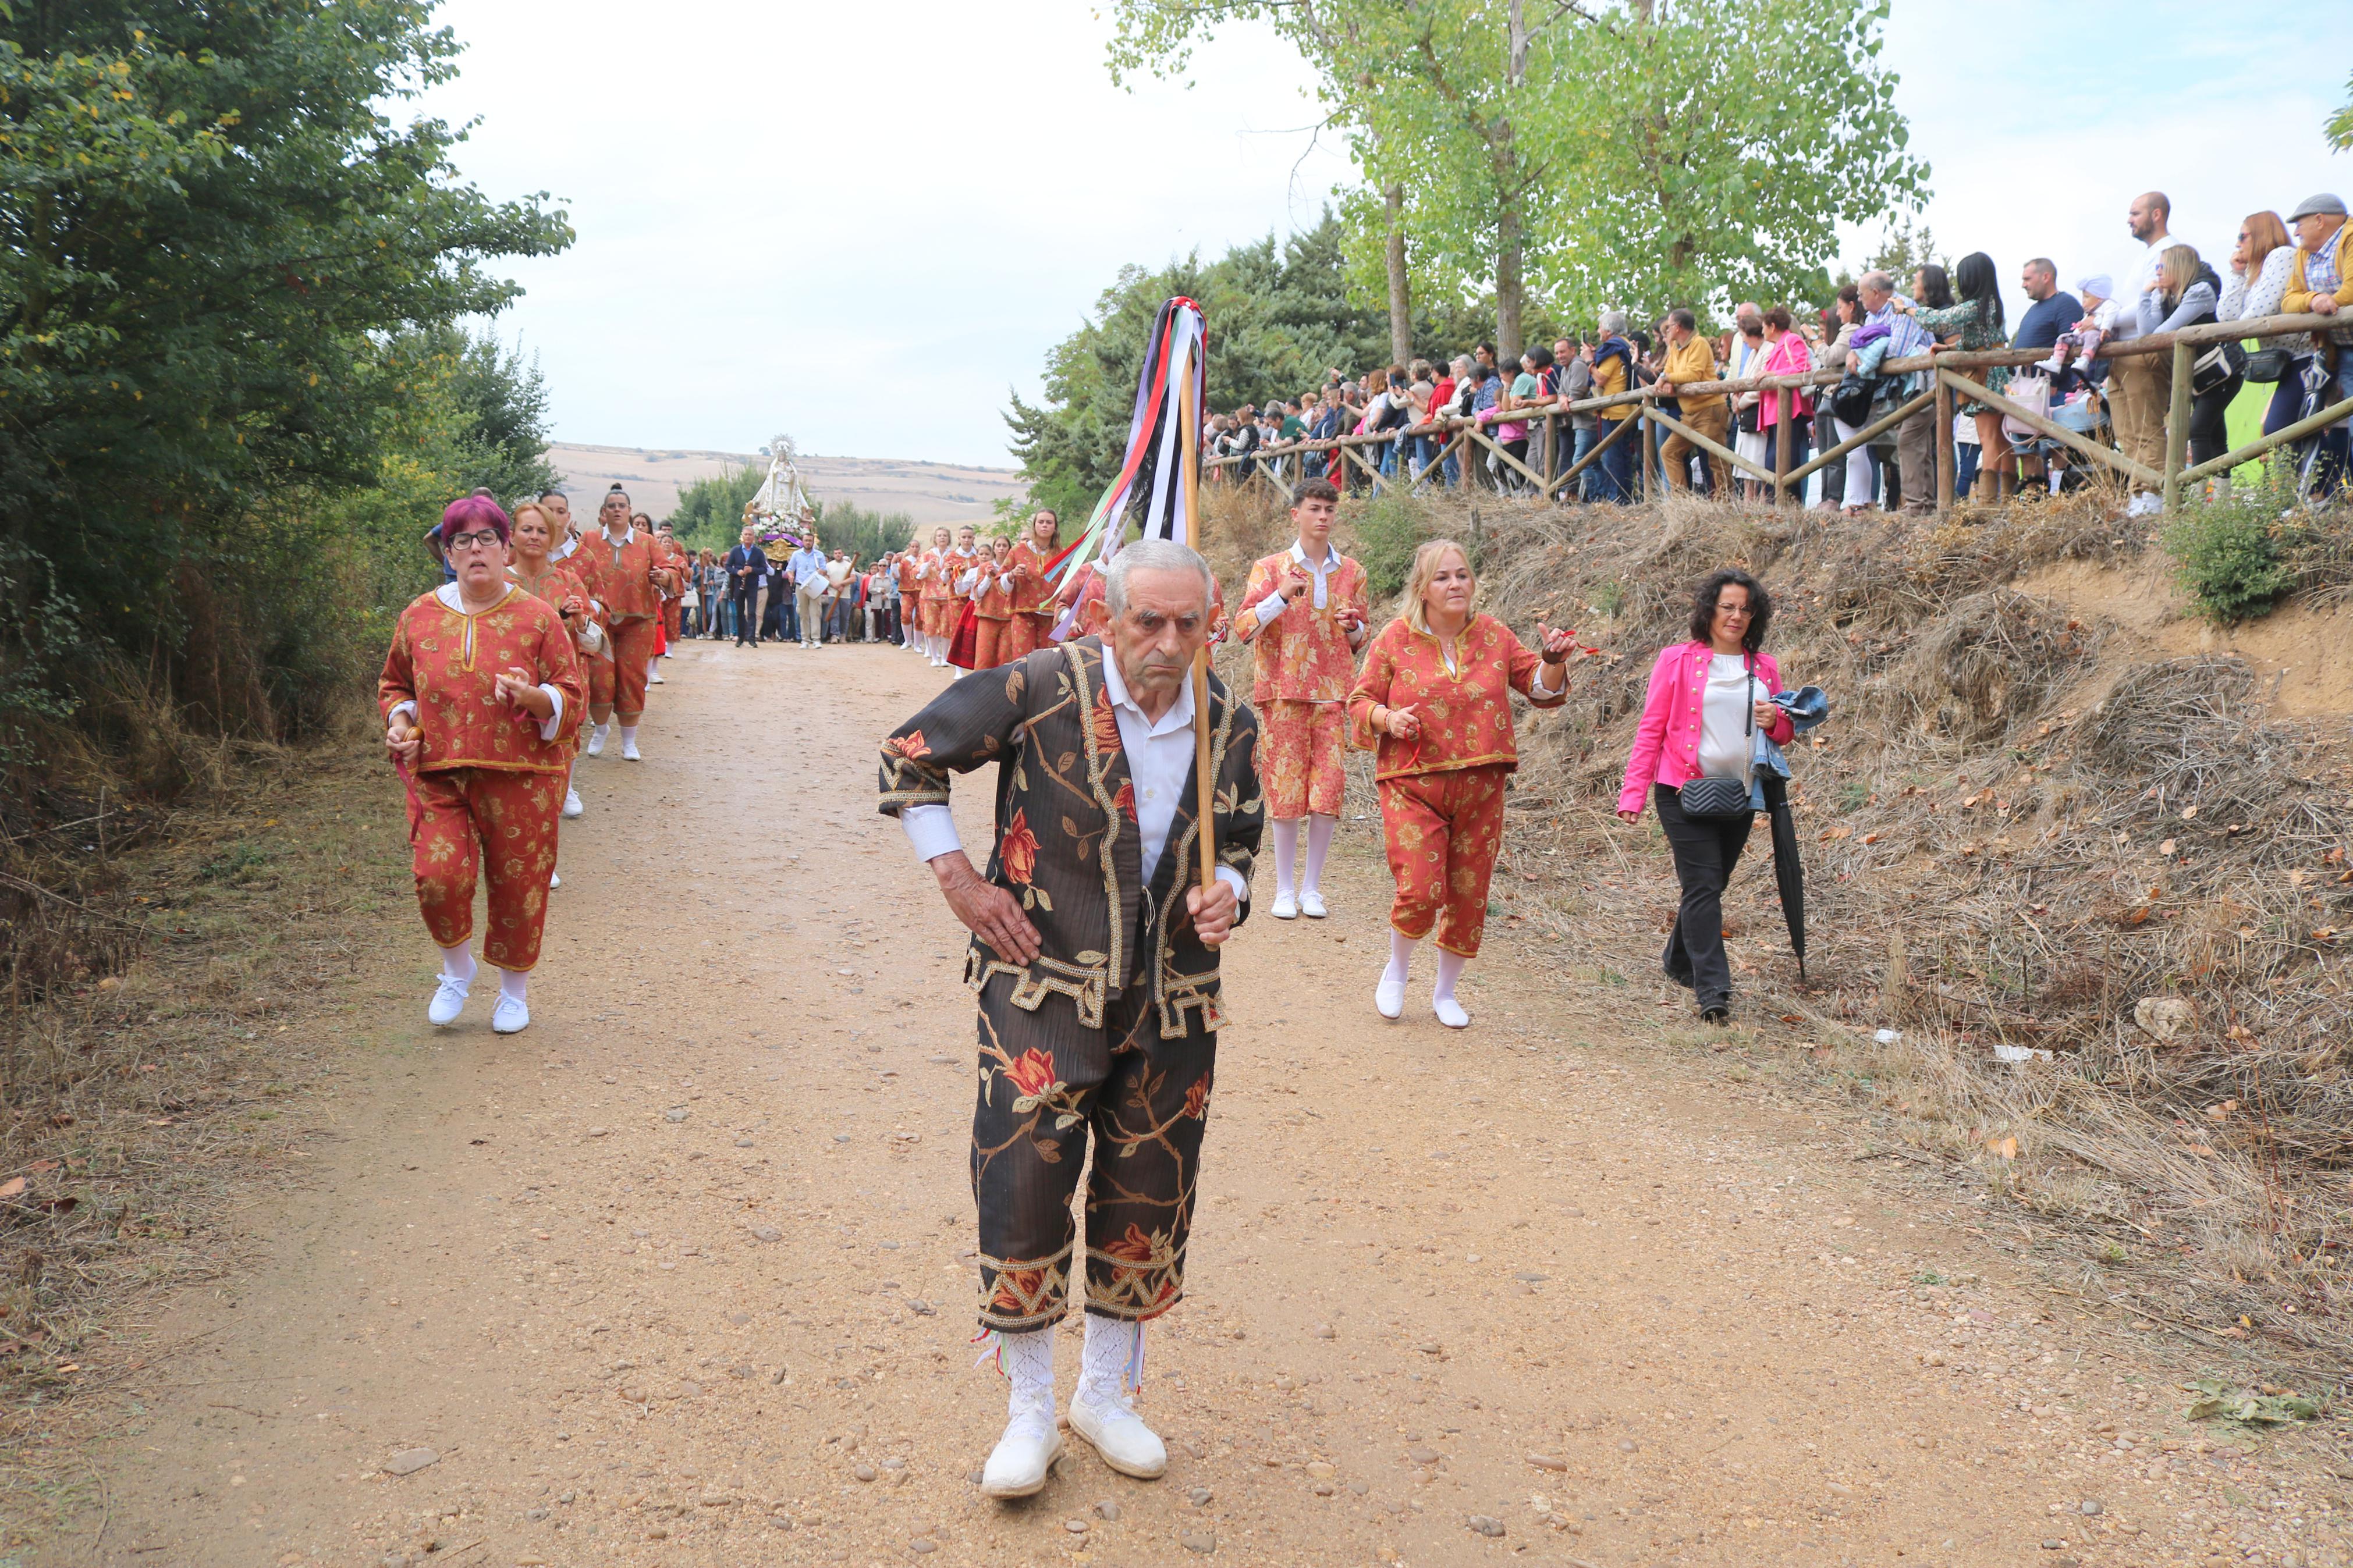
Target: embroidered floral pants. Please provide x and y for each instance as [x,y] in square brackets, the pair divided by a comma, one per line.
[599,669]
[1048,1084]
[989,642]
[1025,633]
[1442,832]
[485,824]
[633,646]
[1301,751]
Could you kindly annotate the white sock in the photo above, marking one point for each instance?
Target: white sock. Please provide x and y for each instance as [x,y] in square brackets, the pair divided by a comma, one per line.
[1401,948]
[457,963]
[1028,1363]
[1286,850]
[512,983]
[1450,969]
[653,667]
[1319,843]
[1111,1367]
[628,734]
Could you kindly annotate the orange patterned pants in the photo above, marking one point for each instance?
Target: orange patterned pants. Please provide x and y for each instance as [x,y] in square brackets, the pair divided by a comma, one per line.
[633,646]
[988,643]
[673,615]
[600,676]
[1024,635]
[487,824]
[1442,831]
[1300,750]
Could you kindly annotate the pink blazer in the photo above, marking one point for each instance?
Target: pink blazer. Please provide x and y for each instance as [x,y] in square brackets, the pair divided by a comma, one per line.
[1666,745]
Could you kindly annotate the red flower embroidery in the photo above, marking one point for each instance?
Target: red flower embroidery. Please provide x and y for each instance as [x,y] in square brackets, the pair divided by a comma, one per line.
[1017,1289]
[1197,1099]
[1033,1073]
[1126,800]
[1106,726]
[909,745]
[1134,1248]
[1017,850]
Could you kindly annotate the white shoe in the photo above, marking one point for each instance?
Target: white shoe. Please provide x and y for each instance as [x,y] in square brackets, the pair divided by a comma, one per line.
[1286,908]
[629,752]
[511,1016]
[1311,904]
[595,747]
[1022,1460]
[1389,997]
[449,1000]
[655,680]
[554,880]
[572,806]
[1120,1435]
[1449,1012]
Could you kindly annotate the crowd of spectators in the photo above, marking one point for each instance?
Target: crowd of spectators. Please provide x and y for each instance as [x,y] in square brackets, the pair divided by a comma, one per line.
[811,596]
[1407,414]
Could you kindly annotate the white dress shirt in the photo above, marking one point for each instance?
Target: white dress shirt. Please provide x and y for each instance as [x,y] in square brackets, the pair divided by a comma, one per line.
[448,593]
[1270,608]
[1159,761]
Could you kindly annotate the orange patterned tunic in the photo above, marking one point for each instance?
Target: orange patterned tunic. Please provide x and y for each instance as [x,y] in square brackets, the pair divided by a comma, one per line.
[1465,713]
[447,663]
[1032,595]
[633,573]
[1303,654]
[991,600]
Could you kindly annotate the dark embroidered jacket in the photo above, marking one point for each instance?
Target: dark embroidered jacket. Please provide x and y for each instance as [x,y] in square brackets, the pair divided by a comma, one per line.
[1066,833]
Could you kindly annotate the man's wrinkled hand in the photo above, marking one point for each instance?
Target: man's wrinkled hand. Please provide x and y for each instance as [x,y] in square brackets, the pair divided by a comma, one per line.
[1211,911]
[987,910]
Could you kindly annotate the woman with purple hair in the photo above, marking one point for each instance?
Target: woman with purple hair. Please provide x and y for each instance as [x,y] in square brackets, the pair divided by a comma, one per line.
[477,694]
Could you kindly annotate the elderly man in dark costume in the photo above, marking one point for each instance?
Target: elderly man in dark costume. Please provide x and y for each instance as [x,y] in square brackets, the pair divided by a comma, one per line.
[1095,956]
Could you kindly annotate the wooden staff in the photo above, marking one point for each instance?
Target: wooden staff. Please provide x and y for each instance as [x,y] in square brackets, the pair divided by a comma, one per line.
[1205,792]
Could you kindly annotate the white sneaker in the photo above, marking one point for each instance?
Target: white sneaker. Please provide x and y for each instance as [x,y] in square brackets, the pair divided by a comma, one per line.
[1022,1460]
[1388,997]
[511,1016]
[655,680]
[1120,1435]
[629,752]
[1286,908]
[2143,504]
[572,806]
[595,747]
[449,1000]
[1449,1012]
[1311,904]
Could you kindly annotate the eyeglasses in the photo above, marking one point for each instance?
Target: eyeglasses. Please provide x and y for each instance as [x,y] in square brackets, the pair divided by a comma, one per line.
[1743,611]
[481,539]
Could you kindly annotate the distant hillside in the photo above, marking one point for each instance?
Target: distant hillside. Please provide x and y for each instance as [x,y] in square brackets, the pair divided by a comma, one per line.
[927,492]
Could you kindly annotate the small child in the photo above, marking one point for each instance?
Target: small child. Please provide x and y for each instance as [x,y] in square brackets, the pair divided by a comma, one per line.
[2099,320]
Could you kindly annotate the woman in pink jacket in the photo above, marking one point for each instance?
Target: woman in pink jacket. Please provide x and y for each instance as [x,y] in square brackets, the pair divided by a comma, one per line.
[1708,698]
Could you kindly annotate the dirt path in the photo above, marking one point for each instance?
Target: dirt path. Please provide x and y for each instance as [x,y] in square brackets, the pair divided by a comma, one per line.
[681,1275]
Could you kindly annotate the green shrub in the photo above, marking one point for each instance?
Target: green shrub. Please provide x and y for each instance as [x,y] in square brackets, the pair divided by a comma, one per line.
[2230,554]
[1384,532]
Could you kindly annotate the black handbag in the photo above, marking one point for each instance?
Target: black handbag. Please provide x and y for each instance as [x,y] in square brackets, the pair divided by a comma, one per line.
[1717,797]
[1851,400]
[2215,366]
[1748,417]
[2269,365]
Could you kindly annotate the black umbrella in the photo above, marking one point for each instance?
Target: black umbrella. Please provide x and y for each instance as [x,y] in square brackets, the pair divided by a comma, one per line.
[1789,871]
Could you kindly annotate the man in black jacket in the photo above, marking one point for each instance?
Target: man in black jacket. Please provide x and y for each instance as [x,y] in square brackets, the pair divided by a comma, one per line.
[747,581]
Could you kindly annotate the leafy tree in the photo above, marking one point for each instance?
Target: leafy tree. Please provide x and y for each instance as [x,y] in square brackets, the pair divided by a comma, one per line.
[227,276]
[710,511]
[2339,128]
[867,535]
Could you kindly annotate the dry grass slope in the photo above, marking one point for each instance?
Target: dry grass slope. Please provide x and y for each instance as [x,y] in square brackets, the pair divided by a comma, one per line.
[2010,842]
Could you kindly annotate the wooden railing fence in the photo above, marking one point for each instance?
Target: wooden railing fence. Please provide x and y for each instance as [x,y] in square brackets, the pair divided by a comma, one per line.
[1283,467]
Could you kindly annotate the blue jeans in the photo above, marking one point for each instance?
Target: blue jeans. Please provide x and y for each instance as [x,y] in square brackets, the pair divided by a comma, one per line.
[1580,443]
[1616,467]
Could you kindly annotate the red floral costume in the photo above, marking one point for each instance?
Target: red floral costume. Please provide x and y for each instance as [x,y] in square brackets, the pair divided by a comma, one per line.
[487,786]
[1305,668]
[1442,792]
[555,587]
[632,581]
[1033,605]
[992,604]
[937,594]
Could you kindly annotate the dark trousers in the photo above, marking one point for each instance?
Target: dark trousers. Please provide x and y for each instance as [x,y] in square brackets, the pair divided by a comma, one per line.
[743,602]
[1048,1084]
[1706,848]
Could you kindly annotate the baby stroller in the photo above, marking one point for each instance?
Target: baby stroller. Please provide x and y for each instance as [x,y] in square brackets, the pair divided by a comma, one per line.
[2069,402]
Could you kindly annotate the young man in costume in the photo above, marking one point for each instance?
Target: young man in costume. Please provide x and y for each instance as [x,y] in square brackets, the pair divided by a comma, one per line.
[477,695]
[1304,616]
[1095,956]
[629,581]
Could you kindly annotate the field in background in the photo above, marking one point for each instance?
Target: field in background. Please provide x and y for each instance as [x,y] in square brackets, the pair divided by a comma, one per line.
[926,492]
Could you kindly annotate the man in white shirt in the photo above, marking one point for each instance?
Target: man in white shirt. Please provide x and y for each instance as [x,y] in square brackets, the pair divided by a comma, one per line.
[1094,954]
[806,569]
[2140,387]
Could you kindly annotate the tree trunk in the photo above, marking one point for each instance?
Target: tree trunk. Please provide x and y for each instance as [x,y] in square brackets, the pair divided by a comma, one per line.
[1508,284]
[1400,286]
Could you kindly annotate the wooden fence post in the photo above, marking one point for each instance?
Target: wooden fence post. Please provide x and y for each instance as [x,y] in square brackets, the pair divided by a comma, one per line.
[1782,400]
[1943,450]
[2177,428]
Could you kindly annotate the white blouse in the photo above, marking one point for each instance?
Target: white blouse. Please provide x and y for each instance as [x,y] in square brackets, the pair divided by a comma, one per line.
[1725,721]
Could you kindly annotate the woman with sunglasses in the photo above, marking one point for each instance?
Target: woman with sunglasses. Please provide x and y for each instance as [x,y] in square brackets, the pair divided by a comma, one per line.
[477,694]
[1708,698]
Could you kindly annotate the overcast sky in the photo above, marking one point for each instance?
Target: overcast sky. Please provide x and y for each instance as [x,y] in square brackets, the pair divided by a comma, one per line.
[865,224]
